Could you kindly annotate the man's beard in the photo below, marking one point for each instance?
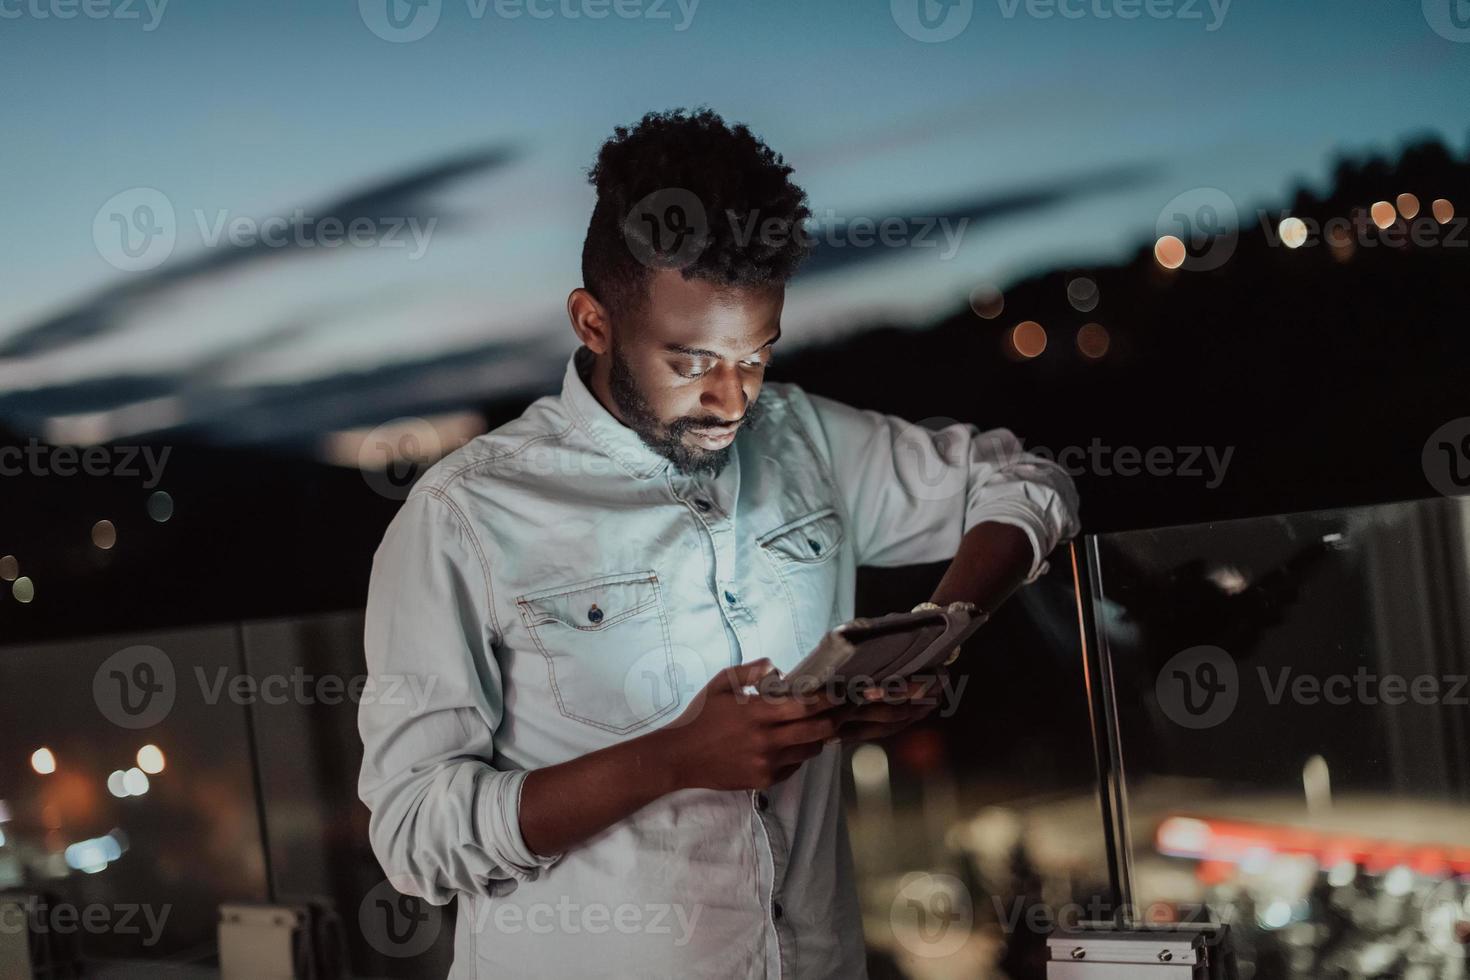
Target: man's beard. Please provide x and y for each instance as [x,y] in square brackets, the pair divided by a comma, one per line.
[668,440]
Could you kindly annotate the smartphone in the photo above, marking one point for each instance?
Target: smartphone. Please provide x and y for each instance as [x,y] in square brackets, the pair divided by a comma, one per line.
[876,652]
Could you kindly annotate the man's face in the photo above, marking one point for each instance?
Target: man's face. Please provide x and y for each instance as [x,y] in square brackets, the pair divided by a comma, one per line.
[686,370]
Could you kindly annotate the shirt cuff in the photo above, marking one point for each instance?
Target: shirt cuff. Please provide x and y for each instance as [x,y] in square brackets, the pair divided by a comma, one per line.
[503,821]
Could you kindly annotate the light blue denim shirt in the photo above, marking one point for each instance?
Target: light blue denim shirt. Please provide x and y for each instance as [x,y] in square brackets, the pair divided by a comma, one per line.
[555,586]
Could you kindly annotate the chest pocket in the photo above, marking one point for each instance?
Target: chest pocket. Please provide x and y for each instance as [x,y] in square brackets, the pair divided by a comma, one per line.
[803,553]
[599,638]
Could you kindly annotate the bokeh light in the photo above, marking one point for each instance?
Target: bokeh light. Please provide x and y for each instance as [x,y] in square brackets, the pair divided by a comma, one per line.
[870,767]
[1399,881]
[9,568]
[1383,214]
[1443,210]
[150,759]
[93,856]
[1275,915]
[1293,232]
[116,785]
[135,782]
[104,535]
[160,506]
[987,301]
[1169,251]
[1028,338]
[23,589]
[1093,340]
[43,760]
[1408,205]
[1083,294]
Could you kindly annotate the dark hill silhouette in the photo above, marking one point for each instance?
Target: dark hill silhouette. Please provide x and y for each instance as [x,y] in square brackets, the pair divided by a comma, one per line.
[1326,371]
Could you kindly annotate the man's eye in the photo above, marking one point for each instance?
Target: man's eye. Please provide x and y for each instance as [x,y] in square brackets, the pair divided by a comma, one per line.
[693,370]
[698,369]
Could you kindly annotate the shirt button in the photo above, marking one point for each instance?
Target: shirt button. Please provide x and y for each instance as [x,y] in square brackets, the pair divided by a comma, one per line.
[594,614]
[762,801]
[776,910]
[702,504]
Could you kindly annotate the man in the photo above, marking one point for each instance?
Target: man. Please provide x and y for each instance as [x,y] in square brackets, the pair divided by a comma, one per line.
[586,593]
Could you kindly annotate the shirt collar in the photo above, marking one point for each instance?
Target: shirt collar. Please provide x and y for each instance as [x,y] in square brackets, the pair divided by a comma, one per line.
[611,436]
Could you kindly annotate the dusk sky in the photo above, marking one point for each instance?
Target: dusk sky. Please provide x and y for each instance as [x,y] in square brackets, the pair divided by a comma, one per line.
[243,111]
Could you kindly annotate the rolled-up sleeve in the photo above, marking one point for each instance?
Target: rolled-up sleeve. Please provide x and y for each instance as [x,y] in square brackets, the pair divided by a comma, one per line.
[912,492]
[444,819]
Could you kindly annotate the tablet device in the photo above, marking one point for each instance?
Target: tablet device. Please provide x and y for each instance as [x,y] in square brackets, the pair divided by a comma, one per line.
[879,652]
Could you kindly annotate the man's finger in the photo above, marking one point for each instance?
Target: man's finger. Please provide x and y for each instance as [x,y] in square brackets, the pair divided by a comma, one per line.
[803,704]
[815,729]
[743,675]
[913,690]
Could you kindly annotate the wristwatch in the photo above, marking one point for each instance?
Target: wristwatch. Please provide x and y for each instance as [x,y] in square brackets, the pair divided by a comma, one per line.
[965,607]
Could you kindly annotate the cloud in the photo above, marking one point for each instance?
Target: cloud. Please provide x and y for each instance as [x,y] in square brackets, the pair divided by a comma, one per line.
[293,414]
[403,197]
[834,248]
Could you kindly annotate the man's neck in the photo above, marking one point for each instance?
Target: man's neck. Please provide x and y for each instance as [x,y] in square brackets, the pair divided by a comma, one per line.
[593,371]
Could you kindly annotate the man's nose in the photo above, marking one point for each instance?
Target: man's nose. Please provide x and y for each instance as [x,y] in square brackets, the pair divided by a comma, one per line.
[724,394]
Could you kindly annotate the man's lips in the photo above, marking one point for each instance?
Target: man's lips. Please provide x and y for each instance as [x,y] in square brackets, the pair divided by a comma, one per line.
[715,438]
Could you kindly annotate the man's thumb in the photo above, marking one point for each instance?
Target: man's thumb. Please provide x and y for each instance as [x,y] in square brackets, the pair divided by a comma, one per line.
[741,675]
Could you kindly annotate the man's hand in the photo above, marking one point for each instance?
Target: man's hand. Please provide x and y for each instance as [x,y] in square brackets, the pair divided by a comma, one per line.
[730,738]
[727,738]
[888,711]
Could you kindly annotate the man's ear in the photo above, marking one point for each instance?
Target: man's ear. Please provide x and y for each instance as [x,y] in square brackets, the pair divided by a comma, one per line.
[589,321]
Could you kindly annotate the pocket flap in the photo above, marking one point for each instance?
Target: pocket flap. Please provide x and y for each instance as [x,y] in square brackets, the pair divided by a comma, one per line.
[592,605]
[812,538]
